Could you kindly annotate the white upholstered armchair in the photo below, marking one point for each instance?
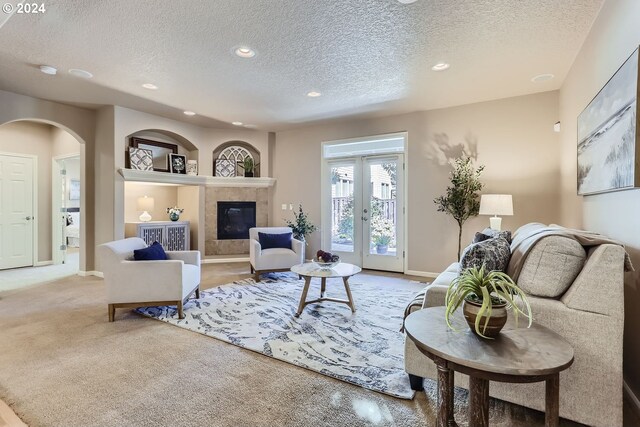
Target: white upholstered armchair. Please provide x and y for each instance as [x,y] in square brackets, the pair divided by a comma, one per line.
[274,259]
[131,284]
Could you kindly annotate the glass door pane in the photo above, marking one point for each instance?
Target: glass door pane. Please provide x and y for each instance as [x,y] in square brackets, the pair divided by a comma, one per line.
[342,207]
[383,213]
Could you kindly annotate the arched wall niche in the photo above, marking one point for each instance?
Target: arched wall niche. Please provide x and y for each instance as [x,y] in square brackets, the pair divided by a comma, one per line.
[165,136]
[184,146]
[223,148]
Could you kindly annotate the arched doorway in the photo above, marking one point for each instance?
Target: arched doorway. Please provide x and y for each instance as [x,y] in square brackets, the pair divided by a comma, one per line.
[37,142]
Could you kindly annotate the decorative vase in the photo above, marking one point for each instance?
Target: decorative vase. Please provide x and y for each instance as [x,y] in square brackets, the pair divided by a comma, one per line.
[192,167]
[174,216]
[382,249]
[496,321]
[248,174]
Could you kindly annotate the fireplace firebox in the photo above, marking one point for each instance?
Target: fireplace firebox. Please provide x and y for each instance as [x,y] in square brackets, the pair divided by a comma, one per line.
[235,219]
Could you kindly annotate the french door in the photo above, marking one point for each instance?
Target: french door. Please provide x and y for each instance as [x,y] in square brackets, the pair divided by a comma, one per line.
[16,211]
[366,211]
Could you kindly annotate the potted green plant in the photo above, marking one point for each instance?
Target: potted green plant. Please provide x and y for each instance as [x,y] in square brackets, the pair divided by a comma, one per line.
[486,296]
[248,166]
[301,226]
[382,231]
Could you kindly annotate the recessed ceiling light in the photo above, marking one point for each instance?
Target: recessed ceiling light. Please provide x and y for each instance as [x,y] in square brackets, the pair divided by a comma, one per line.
[313,94]
[250,126]
[236,123]
[80,73]
[245,52]
[440,66]
[407,1]
[48,69]
[189,113]
[542,78]
[150,86]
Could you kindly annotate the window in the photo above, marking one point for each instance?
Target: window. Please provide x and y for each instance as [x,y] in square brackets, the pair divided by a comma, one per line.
[385,190]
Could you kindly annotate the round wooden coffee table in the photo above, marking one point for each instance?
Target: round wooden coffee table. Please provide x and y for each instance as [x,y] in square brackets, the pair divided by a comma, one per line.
[522,355]
[309,270]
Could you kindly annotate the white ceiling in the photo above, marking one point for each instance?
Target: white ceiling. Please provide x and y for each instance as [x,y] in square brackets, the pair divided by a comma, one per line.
[366,57]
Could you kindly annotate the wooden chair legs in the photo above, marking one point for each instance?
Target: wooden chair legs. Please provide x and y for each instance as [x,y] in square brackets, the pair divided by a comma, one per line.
[112,312]
[180,310]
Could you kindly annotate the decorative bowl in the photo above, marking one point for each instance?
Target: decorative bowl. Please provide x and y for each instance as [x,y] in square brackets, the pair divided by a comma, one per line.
[325,265]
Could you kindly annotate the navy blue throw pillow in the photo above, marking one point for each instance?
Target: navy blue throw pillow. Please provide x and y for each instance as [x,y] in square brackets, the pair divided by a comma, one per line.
[269,241]
[155,252]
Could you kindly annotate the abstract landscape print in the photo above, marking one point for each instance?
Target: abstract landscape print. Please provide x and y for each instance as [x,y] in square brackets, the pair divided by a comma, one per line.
[607,134]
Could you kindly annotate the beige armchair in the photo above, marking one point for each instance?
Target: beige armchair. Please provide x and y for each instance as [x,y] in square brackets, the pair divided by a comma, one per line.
[274,259]
[131,284]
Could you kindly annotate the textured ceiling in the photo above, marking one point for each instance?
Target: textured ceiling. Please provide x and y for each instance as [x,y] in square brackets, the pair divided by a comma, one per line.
[366,57]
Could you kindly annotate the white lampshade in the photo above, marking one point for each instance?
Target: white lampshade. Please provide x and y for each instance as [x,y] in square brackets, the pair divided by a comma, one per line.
[145,204]
[496,204]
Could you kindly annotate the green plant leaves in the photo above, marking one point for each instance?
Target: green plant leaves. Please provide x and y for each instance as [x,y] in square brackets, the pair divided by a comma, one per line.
[485,286]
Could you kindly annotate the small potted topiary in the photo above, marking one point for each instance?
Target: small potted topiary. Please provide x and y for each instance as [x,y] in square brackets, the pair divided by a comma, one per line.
[301,226]
[485,296]
[248,167]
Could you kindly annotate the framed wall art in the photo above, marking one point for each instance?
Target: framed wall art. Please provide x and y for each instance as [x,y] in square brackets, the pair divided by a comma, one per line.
[140,159]
[608,151]
[178,163]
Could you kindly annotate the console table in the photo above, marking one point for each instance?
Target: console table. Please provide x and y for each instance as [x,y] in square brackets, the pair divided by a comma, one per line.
[522,355]
[173,235]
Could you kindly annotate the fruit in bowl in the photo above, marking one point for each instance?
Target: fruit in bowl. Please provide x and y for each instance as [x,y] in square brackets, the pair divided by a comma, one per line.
[326,259]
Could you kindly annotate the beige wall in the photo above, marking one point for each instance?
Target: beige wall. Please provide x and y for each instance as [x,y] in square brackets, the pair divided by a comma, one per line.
[515,141]
[164,196]
[613,37]
[191,199]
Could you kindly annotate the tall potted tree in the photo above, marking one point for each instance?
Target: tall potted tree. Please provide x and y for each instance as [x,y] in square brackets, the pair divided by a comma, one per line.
[461,200]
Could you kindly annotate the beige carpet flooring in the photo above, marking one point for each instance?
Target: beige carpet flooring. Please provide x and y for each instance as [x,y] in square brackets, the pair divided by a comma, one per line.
[63,364]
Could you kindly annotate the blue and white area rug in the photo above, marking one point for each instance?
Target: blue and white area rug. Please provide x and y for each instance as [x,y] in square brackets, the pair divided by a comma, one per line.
[364,348]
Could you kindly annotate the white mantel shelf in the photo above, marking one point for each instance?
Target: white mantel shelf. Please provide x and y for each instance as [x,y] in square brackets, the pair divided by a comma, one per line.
[178,179]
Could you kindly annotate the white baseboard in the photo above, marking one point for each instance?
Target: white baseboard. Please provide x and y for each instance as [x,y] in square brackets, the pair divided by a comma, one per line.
[223,260]
[631,396]
[91,273]
[42,263]
[421,274]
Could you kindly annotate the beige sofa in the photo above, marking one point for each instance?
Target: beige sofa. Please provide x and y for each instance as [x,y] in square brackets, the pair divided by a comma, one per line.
[589,314]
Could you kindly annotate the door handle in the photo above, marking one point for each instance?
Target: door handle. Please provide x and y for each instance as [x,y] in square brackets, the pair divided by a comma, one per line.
[28,218]
[364,218]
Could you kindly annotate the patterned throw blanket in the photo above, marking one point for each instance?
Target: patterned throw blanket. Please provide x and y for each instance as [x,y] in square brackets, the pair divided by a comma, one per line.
[528,235]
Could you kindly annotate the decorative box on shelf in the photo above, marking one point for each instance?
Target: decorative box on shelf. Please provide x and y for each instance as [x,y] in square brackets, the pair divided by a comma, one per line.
[173,235]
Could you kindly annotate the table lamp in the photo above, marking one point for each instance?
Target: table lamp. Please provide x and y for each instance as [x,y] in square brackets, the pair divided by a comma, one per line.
[145,204]
[496,204]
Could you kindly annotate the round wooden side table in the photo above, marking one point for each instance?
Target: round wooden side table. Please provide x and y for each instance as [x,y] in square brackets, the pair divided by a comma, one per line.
[522,355]
[309,270]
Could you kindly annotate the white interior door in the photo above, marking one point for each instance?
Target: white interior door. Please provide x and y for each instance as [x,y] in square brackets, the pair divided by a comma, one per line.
[366,211]
[16,211]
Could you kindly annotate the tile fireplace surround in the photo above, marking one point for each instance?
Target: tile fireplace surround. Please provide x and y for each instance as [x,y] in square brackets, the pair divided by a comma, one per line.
[213,195]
